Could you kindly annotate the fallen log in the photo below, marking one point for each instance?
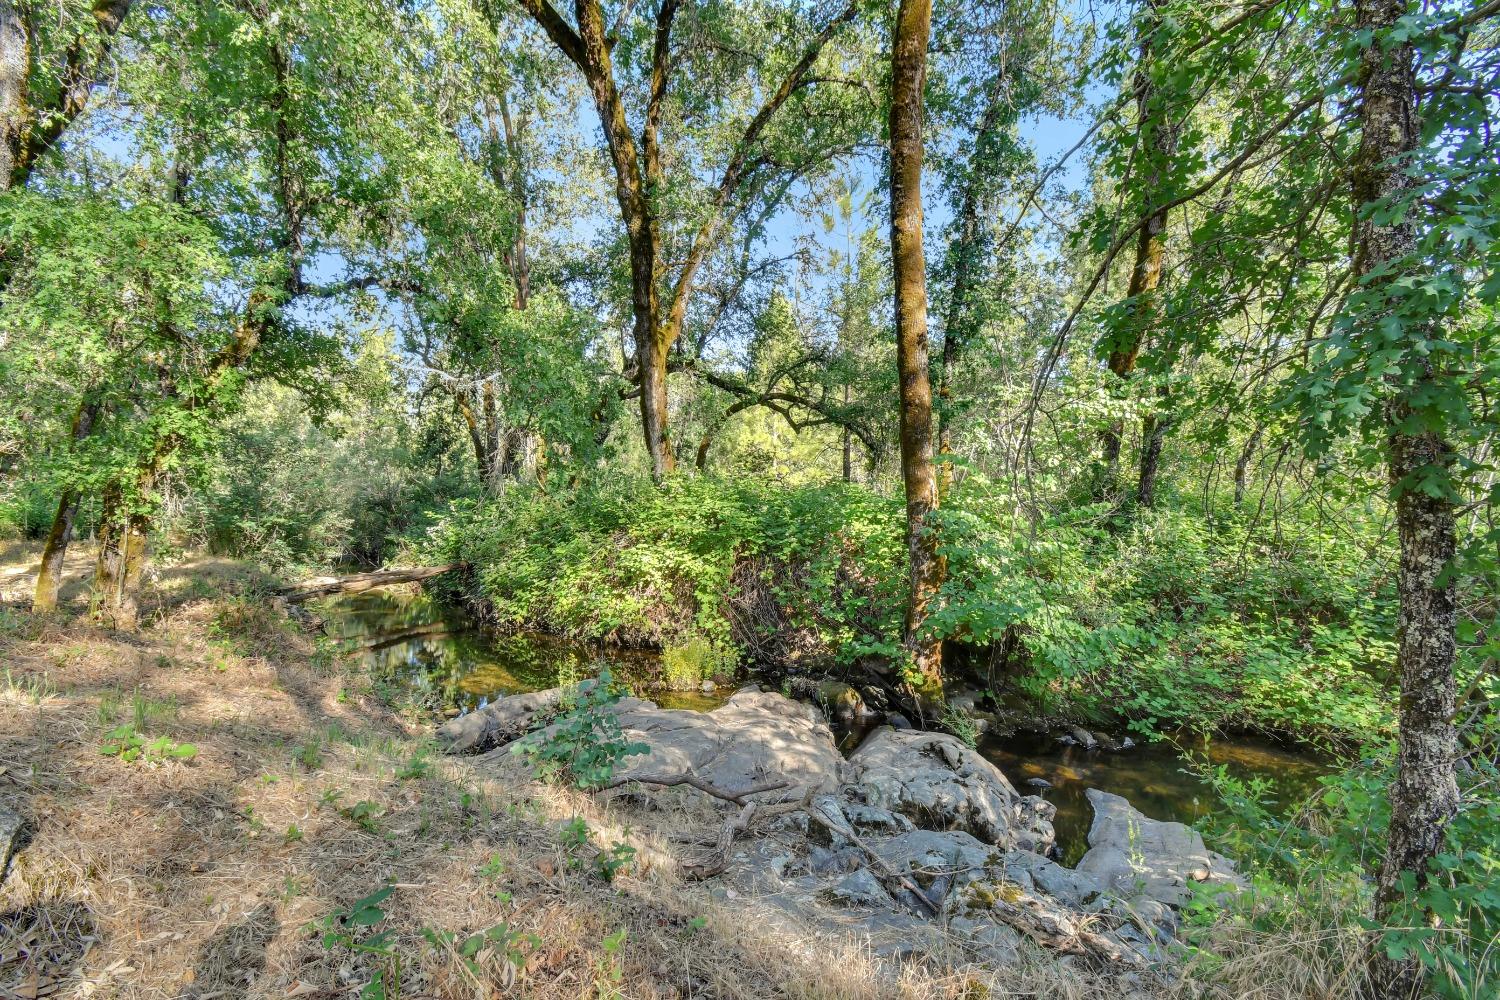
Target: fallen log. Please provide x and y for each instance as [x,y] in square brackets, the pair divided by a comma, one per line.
[358,582]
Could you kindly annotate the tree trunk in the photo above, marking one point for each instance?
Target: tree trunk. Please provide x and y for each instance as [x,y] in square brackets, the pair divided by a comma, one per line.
[124,536]
[54,553]
[1424,795]
[1154,429]
[14,63]
[848,445]
[1157,133]
[1242,467]
[651,358]
[49,572]
[908,72]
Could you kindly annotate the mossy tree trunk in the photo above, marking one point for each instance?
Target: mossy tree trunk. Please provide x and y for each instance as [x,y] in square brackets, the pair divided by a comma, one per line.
[908,73]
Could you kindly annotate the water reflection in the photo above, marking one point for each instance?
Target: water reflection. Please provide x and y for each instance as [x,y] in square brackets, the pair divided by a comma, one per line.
[441,658]
[1153,776]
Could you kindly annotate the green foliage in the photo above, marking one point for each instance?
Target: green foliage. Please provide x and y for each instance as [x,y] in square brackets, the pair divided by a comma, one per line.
[736,564]
[1320,861]
[126,743]
[1168,618]
[582,742]
[352,929]
[687,666]
[1173,620]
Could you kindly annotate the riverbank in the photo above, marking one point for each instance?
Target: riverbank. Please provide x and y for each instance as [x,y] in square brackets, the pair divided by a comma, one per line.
[1172,620]
[210,874]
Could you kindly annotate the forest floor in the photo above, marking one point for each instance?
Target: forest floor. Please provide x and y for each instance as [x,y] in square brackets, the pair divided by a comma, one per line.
[215,875]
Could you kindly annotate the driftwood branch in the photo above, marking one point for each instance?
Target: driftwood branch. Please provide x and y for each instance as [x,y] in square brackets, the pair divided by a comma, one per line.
[361,581]
[879,864]
[1060,930]
[738,797]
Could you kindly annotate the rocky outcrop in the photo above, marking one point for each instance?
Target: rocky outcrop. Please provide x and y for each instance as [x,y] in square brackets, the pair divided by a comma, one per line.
[941,784]
[914,843]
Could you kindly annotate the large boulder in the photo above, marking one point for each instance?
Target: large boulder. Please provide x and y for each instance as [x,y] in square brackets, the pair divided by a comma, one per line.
[753,738]
[940,784]
[1141,859]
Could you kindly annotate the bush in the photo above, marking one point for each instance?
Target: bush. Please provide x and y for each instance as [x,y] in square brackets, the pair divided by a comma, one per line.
[1316,870]
[1168,620]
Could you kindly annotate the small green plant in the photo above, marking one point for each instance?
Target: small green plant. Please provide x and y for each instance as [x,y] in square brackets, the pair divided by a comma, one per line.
[583,742]
[687,666]
[618,858]
[417,767]
[609,973]
[145,710]
[499,943]
[962,725]
[33,687]
[310,753]
[127,744]
[493,868]
[363,814]
[347,928]
[293,834]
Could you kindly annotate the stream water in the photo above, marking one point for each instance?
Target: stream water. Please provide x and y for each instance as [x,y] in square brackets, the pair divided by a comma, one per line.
[437,655]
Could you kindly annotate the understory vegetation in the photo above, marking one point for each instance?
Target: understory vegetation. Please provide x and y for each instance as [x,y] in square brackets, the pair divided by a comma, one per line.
[1176,618]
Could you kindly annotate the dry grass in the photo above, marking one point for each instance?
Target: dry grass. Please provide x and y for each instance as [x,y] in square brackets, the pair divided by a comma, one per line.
[205,877]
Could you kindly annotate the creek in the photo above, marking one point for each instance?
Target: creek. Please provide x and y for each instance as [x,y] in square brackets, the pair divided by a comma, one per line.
[439,657]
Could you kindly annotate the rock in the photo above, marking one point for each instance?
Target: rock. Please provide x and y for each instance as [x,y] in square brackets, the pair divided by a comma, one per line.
[964,701]
[708,687]
[450,712]
[897,721]
[940,784]
[754,737]
[1032,871]
[498,723]
[1038,782]
[841,701]
[1082,737]
[927,855]
[1127,743]
[12,835]
[860,888]
[997,944]
[822,861]
[1140,858]
[873,819]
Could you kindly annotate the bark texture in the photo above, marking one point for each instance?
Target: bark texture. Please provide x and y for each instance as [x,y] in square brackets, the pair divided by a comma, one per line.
[31,130]
[1424,795]
[908,72]
[1158,135]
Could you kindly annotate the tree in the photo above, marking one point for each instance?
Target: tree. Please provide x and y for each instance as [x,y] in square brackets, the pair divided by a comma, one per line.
[918,472]
[1156,145]
[49,67]
[776,136]
[1385,255]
